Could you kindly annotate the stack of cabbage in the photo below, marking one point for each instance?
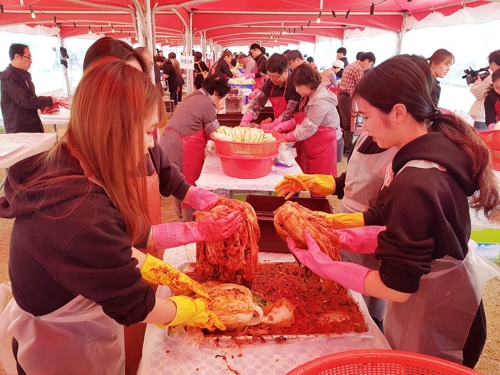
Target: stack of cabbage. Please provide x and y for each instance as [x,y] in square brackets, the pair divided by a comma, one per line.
[243,134]
[241,81]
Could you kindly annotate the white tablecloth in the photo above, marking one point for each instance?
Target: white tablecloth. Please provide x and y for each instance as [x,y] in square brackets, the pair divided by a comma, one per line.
[163,355]
[59,118]
[30,144]
[212,177]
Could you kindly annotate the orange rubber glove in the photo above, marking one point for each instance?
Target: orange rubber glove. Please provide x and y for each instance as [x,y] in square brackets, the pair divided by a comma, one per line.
[315,183]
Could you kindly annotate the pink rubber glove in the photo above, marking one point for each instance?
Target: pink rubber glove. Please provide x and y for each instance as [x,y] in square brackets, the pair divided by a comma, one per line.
[246,119]
[290,137]
[361,240]
[285,126]
[209,230]
[350,275]
[201,199]
[269,125]
[251,75]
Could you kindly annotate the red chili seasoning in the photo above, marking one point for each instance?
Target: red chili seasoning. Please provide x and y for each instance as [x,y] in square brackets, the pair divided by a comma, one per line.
[319,309]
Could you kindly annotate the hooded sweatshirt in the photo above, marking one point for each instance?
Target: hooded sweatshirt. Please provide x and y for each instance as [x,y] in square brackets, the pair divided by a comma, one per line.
[70,240]
[426,211]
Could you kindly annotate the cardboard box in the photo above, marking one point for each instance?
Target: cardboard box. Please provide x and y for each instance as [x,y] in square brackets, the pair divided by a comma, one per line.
[265,206]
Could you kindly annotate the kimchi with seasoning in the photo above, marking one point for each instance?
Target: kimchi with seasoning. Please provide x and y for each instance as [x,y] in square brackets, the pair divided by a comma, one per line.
[234,259]
[316,309]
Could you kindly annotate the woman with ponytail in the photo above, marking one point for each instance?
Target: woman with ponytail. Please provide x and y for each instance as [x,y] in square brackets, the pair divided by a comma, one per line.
[429,271]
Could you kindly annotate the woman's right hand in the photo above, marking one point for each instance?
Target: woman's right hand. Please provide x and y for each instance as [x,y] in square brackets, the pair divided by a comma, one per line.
[195,313]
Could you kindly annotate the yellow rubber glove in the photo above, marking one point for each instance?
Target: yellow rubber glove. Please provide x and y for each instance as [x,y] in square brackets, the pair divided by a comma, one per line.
[316,183]
[342,221]
[158,272]
[194,313]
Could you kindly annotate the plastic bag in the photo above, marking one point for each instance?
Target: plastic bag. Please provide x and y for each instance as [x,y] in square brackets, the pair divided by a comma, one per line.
[286,155]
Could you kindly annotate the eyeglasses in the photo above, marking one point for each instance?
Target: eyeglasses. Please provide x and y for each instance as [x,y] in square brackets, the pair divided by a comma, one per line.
[28,57]
[274,78]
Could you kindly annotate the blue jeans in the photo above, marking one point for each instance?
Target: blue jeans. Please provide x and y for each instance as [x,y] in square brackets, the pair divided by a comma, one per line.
[480,125]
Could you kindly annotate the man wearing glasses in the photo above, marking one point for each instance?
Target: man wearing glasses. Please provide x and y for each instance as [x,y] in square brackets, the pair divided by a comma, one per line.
[20,103]
[284,99]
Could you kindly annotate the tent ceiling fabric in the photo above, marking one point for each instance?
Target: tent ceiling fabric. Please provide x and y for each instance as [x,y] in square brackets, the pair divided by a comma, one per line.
[228,22]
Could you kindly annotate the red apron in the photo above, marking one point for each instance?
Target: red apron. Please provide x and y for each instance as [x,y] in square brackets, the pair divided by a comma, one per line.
[153,193]
[279,103]
[317,154]
[193,155]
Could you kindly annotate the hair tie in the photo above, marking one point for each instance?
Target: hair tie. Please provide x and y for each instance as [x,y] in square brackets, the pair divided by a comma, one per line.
[435,115]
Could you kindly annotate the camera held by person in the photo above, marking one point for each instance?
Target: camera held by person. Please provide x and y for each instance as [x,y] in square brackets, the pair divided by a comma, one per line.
[471,74]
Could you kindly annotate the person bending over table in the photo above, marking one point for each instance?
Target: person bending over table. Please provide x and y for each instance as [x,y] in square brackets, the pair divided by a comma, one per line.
[160,237]
[316,126]
[277,89]
[428,273]
[186,136]
[78,208]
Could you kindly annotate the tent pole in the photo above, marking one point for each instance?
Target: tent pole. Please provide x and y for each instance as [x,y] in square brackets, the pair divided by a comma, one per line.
[64,70]
[188,48]
[401,34]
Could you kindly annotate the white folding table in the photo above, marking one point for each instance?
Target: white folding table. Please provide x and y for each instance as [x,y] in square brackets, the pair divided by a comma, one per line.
[18,146]
[213,178]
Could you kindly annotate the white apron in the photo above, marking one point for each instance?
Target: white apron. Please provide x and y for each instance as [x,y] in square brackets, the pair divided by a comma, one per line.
[436,320]
[77,339]
[362,186]
[361,192]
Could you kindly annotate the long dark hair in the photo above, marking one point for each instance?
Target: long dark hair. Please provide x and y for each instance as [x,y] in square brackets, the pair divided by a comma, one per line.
[113,47]
[406,79]
[216,84]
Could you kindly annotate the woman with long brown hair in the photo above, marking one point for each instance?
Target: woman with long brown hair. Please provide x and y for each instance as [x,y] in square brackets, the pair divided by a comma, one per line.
[78,209]
[429,273]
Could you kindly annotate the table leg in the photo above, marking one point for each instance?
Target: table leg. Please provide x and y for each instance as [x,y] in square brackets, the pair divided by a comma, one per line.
[2,184]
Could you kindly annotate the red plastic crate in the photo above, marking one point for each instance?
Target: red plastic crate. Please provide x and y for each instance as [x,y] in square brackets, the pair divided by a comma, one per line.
[380,362]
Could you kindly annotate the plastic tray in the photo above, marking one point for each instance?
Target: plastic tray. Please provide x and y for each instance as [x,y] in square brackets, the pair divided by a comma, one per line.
[242,85]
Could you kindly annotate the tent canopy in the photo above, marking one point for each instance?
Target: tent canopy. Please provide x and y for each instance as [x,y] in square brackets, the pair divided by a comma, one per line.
[226,22]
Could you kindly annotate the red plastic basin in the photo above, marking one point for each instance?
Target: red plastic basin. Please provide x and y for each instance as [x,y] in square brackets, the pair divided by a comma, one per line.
[246,167]
[492,140]
[248,150]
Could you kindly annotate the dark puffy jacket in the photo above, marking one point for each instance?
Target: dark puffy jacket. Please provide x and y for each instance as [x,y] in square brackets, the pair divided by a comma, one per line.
[20,103]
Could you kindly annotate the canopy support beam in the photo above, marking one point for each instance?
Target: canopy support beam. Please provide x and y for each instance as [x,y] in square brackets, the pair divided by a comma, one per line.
[401,34]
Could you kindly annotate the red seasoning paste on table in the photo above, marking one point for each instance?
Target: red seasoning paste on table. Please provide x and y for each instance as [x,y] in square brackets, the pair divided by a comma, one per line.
[318,309]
